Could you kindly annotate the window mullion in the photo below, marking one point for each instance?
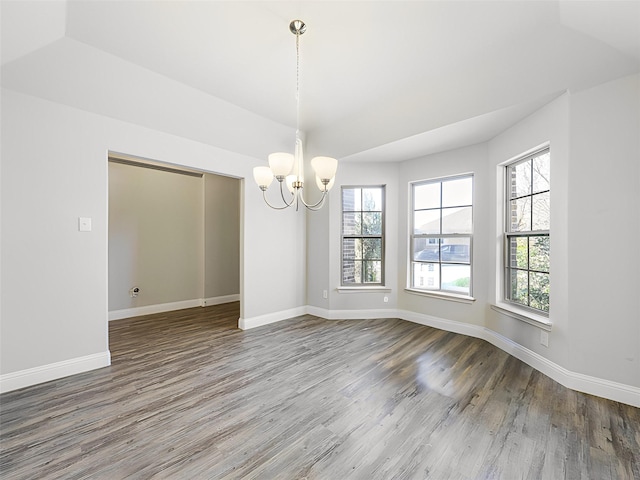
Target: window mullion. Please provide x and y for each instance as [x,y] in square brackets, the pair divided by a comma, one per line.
[529,248]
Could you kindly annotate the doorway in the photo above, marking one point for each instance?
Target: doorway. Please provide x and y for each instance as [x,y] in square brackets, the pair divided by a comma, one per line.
[174,238]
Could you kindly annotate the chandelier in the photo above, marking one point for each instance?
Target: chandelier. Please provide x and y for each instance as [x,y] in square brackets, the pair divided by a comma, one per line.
[288,168]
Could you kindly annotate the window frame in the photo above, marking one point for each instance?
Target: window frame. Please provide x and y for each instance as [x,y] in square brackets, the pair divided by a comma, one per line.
[439,292]
[382,188]
[509,234]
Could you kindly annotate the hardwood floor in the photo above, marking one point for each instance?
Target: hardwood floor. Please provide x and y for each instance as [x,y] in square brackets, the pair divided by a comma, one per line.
[188,396]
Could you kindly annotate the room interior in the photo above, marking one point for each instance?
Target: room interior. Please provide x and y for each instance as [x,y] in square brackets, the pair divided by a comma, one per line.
[175,231]
[396,91]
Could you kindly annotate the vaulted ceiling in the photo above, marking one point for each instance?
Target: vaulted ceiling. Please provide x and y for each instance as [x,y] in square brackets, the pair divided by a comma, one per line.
[380,80]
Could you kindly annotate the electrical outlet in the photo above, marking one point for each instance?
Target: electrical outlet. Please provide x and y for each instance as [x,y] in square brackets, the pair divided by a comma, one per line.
[325,294]
[544,338]
[386,299]
[84,224]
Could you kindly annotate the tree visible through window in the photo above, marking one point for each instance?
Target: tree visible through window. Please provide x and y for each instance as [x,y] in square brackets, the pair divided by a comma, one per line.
[527,243]
[363,235]
[441,234]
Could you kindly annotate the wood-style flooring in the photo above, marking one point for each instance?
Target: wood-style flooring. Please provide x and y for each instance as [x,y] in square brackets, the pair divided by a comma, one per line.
[189,396]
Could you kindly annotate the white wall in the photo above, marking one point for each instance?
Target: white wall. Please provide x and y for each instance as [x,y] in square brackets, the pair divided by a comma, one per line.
[595,203]
[594,342]
[465,160]
[54,278]
[550,124]
[222,236]
[318,241]
[156,236]
[356,174]
[604,231]
[54,282]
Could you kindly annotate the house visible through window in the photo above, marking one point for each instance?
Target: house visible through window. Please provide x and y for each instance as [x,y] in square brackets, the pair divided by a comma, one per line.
[527,222]
[441,235]
[363,235]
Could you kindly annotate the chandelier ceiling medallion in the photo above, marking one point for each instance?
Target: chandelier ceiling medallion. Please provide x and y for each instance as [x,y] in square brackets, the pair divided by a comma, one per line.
[288,168]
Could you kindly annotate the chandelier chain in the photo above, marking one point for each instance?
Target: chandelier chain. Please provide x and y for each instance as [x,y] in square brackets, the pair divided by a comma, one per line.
[297,81]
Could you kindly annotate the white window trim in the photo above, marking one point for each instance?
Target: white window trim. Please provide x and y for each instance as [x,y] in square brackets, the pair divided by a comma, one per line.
[364,286]
[364,289]
[442,294]
[524,316]
[452,297]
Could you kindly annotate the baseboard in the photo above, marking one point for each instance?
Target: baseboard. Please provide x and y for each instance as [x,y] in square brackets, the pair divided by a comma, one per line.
[259,321]
[618,392]
[599,387]
[149,309]
[53,371]
[351,314]
[207,302]
[442,324]
[319,312]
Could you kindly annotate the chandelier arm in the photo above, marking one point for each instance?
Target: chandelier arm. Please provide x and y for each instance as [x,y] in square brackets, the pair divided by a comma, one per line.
[288,204]
[315,206]
[264,197]
[318,206]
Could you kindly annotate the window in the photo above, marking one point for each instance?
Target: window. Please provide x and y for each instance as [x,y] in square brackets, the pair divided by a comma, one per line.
[527,231]
[363,235]
[441,235]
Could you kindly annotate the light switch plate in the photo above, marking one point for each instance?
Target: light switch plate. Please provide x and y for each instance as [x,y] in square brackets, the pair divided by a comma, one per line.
[84,224]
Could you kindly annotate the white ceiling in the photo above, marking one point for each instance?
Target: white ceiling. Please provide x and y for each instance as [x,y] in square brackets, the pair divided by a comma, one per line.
[380,80]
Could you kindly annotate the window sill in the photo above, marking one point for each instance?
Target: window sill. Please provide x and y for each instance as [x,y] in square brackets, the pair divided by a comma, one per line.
[528,317]
[364,289]
[442,295]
